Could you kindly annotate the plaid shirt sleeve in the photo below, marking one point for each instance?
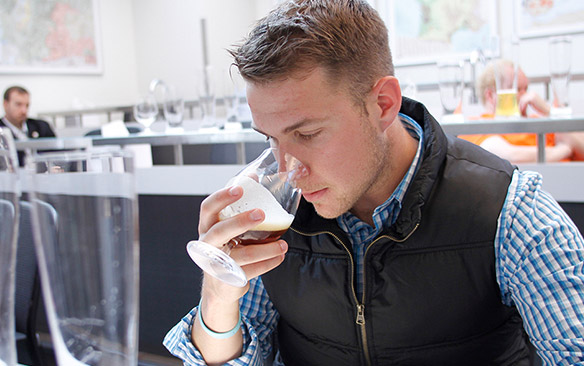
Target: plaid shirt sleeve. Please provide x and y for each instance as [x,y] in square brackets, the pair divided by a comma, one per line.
[540,270]
[259,319]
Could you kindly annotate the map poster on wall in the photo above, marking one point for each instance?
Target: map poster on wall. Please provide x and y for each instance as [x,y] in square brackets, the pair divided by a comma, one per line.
[421,31]
[50,36]
[540,18]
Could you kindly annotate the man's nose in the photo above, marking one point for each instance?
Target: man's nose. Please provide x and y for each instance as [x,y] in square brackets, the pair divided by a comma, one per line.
[280,159]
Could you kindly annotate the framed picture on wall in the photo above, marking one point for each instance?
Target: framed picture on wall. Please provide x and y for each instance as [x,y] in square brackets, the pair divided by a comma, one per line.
[47,37]
[422,31]
[540,18]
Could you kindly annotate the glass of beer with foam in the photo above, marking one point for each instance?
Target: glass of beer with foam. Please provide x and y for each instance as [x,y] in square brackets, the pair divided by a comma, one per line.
[267,186]
[506,73]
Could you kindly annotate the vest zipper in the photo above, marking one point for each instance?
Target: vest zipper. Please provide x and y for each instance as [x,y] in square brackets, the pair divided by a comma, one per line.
[361,322]
[360,314]
[360,306]
[360,318]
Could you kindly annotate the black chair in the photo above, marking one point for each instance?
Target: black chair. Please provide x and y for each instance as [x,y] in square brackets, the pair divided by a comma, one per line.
[27,294]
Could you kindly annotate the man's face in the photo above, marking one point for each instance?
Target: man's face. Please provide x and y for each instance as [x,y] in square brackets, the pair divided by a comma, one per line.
[321,126]
[16,107]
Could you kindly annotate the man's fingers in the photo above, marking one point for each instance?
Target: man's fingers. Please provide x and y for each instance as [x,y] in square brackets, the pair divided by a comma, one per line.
[212,205]
[253,253]
[223,231]
[260,258]
[259,268]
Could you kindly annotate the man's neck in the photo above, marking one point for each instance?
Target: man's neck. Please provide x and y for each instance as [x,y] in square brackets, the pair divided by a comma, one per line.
[388,181]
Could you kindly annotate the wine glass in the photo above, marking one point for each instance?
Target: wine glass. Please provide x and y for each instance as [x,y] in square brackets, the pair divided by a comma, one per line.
[85,228]
[206,89]
[231,87]
[9,216]
[506,75]
[173,108]
[451,85]
[145,112]
[560,51]
[265,186]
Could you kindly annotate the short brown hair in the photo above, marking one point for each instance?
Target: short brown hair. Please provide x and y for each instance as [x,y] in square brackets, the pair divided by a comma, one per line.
[15,88]
[345,37]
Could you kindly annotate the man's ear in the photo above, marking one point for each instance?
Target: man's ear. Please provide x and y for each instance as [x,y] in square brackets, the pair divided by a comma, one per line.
[387,95]
[490,99]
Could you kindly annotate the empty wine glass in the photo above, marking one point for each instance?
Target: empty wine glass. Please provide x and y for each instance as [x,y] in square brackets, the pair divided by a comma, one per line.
[451,85]
[560,51]
[206,89]
[265,186]
[173,108]
[9,216]
[145,112]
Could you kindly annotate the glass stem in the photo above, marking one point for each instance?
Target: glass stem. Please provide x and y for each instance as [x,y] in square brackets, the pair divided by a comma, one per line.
[230,245]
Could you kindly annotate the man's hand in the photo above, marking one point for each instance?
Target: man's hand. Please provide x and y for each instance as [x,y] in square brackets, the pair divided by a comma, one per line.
[535,101]
[220,301]
[254,259]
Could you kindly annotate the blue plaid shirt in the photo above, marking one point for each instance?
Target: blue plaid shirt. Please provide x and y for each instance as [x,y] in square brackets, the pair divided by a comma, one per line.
[539,267]
[362,234]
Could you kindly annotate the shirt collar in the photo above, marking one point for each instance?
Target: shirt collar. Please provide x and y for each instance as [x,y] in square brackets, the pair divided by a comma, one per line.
[19,133]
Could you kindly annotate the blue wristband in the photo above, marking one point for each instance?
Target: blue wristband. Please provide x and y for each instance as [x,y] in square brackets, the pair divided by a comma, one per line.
[216,335]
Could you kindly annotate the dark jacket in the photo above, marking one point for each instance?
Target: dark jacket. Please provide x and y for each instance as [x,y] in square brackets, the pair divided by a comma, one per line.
[430,290]
[36,128]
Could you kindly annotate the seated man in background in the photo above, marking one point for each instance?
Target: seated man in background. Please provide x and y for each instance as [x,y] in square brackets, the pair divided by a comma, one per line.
[16,103]
[522,147]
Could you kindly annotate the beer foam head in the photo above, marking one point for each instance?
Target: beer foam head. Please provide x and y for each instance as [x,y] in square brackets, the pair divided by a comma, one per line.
[257,196]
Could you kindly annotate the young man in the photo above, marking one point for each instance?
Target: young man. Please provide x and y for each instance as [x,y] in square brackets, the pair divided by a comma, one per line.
[16,103]
[409,246]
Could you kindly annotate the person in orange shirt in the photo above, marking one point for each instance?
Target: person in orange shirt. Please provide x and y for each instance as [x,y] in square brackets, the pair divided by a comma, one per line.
[522,147]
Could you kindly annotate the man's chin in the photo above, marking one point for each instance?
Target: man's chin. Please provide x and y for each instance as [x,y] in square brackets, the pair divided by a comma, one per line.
[326,212]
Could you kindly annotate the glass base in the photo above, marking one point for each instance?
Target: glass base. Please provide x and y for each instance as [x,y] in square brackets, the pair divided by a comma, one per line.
[452,118]
[216,263]
[560,112]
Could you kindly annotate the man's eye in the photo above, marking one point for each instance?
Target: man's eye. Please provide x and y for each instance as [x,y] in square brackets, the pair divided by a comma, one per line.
[272,141]
[307,136]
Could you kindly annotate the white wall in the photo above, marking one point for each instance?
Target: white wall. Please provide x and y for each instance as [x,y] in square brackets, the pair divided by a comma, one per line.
[533,59]
[147,39]
[115,86]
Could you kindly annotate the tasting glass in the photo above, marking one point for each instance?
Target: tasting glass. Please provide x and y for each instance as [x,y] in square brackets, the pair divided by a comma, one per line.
[173,107]
[231,88]
[84,218]
[207,89]
[266,186]
[506,74]
[451,85]
[145,112]
[560,51]
[9,216]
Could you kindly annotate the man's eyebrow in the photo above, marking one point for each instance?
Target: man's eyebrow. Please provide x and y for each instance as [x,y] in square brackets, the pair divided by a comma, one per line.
[258,130]
[299,124]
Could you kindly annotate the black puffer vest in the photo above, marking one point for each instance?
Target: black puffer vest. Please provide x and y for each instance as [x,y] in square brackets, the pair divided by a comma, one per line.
[430,290]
